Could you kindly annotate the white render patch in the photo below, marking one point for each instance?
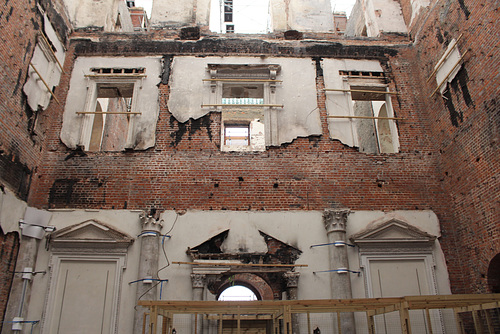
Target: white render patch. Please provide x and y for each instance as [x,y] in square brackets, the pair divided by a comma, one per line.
[144,125]
[44,60]
[372,17]
[301,15]
[299,116]
[416,7]
[448,66]
[180,13]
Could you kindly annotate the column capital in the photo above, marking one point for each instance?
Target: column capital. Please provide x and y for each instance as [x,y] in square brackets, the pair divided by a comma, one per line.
[149,223]
[292,279]
[198,280]
[335,220]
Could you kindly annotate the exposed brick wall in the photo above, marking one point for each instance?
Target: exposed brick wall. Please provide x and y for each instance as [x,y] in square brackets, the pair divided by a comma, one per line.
[20,140]
[9,246]
[465,129]
[446,166]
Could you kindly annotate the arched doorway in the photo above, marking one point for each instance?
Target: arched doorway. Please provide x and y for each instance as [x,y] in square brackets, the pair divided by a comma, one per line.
[237,293]
[494,274]
[246,287]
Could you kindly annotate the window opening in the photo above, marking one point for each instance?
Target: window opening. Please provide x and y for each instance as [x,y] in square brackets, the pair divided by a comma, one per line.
[111,119]
[236,135]
[228,10]
[243,16]
[237,293]
[243,127]
[374,135]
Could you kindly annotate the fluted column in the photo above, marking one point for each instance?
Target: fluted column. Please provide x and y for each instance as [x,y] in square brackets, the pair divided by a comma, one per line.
[148,264]
[335,221]
[292,283]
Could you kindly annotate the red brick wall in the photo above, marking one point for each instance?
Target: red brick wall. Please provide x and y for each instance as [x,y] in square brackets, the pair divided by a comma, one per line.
[466,131]
[442,167]
[20,143]
[9,246]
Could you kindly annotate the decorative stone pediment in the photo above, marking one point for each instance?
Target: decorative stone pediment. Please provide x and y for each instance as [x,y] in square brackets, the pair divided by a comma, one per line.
[392,233]
[90,234]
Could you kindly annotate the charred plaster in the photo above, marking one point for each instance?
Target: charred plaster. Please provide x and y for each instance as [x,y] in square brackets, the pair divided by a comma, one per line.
[464,9]
[61,192]
[190,127]
[15,173]
[208,46]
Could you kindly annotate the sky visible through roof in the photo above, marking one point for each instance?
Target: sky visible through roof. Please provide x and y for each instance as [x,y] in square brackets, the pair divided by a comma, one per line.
[251,16]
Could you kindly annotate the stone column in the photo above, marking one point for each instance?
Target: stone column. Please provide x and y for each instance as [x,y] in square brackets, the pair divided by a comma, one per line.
[20,292]
[198,281]
[292,282]
[335,224]
[148,264]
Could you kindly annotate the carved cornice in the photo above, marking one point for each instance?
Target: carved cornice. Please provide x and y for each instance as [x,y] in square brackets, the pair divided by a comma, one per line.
[335,220]
[198,280]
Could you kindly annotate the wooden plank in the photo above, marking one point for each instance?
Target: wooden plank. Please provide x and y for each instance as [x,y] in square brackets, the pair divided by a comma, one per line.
[45,83]
[438,65]
[52,51]
[360,91]
[450,72]
[242,105]
[429,323]
[370,322]
[405,318]
[478,323]
[243,80]
[365,117]
[232,264]
[107,112]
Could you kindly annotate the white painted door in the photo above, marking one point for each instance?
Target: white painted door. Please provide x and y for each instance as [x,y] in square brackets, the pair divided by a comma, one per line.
[397,278]
[84,297]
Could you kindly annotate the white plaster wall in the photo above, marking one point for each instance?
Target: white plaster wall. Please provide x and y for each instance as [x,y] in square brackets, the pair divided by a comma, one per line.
[34,88]
[301,15]
[416,7]
[311,15]
[297,92]
[11,211]
[300,229]
[378,16]
[338,103]
[147,100]
[102,13]
[180,13]
[389,16]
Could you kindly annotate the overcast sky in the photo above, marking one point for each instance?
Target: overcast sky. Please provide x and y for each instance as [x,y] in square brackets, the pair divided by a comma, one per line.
[251,15]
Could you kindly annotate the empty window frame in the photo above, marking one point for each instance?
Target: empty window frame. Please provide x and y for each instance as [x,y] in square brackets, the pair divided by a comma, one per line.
[228,11]
[229,28]
[376,131]
[243,121]
[110,110]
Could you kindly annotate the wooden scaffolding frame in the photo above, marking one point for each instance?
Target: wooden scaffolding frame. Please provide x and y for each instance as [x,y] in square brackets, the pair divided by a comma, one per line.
[276,310]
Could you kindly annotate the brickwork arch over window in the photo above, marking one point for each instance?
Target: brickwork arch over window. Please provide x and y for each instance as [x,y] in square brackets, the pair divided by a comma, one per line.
[112,104]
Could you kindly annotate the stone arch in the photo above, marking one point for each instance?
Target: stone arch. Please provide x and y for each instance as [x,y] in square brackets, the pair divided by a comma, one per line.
[257,284]
[494,274]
